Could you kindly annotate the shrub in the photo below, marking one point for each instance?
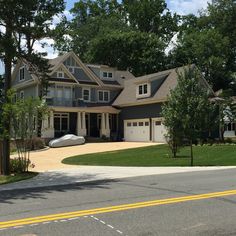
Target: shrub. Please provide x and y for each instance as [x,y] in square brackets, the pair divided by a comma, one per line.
[18,165]
[35,144]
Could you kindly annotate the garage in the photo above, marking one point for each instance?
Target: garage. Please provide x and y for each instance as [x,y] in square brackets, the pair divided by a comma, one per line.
[159,131]
[137,130]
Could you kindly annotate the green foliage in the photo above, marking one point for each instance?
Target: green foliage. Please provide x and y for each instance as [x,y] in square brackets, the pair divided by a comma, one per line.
[187,112]
[209,41]
[140,51]
[19,165]
[127,34]
[23,115]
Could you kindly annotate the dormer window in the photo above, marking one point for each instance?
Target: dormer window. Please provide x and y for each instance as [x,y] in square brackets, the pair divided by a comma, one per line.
[143,90]
[107,75]
[22,73]
[60,74]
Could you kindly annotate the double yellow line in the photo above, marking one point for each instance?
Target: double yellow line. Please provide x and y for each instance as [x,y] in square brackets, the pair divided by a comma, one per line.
[68,215]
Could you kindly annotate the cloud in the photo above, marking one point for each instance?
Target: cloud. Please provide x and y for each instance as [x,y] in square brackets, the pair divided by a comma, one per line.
[46,45]
[183,7]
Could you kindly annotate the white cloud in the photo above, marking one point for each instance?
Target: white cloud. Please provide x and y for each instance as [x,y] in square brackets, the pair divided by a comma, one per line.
[183,7]
[46,45]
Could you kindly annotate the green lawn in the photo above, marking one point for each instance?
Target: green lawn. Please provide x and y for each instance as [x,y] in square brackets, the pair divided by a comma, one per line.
[16,177]
[159,155]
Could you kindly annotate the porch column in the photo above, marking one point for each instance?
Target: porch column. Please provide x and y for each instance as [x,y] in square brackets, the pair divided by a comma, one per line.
[84,130]
[48,126]
[79,123]
[107,125]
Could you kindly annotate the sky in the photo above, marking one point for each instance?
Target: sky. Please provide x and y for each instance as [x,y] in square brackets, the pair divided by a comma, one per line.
[179,6]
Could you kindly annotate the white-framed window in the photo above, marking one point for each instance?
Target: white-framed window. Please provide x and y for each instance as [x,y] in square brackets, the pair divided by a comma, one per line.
[71,69]
[107,75]
[103,96]
[86,94]
[22,73]
[61,122]
[60,74]
[22,94]
[143,90]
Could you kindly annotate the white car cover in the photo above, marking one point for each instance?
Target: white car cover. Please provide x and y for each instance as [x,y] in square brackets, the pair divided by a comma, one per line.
[67,140]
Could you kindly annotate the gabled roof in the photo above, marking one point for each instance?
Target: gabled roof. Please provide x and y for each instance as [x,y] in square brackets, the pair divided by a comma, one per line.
[165,81]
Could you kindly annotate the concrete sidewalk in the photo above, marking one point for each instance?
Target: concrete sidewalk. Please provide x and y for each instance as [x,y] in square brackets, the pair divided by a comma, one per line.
[82,174]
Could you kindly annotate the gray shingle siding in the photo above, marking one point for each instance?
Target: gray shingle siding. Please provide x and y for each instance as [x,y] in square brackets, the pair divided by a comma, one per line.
[28,91]
[17,80]
[81,75]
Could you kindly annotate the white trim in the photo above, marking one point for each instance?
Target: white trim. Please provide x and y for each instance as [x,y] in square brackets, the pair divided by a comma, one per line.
[22,92]
[59,115]
[83,89]
[62,73]
[22,68]
[103,91]
[107,77]
[143,95]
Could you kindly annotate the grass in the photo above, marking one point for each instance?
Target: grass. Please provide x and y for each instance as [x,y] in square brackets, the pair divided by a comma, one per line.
[159,155]
[16,177]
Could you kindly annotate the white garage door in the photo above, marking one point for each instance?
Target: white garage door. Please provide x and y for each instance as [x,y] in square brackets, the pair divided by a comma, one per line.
[137,130]
[159,131]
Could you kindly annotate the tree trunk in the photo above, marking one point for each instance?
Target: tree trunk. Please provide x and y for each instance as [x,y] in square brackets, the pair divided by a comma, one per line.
[7,86]
[191,148]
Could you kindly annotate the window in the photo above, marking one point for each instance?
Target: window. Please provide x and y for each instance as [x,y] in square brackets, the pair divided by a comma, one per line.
[157,123]
[142,89]
[86,94]
[107,75]
[60,74]
[129,124]
[140,123]
[135,124]
[61,121]
[103,96]
[22,73]
[146,123]
[22,95]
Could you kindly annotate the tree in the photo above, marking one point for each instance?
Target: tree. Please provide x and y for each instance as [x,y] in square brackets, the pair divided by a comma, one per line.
[186,114]
[136,51]
[29,21]
[108,31]
[208,41]
[23,114]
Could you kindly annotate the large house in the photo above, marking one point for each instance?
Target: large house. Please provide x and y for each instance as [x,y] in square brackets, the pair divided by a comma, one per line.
[100,101]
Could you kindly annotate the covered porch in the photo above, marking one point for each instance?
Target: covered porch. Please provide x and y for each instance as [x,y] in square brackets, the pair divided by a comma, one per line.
[101,121]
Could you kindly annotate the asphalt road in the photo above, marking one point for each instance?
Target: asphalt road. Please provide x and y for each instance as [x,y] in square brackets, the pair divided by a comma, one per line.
[213,215]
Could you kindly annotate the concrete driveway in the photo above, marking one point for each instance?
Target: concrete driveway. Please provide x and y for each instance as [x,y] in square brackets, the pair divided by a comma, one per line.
[51,159]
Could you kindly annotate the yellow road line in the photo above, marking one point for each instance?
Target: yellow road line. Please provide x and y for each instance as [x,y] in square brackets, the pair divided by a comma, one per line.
[67,215]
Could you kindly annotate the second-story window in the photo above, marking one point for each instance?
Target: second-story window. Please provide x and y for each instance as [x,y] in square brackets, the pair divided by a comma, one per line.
[142,89]
[86,94]
[107,75]
[22,73]
[60,74]
[103,96]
